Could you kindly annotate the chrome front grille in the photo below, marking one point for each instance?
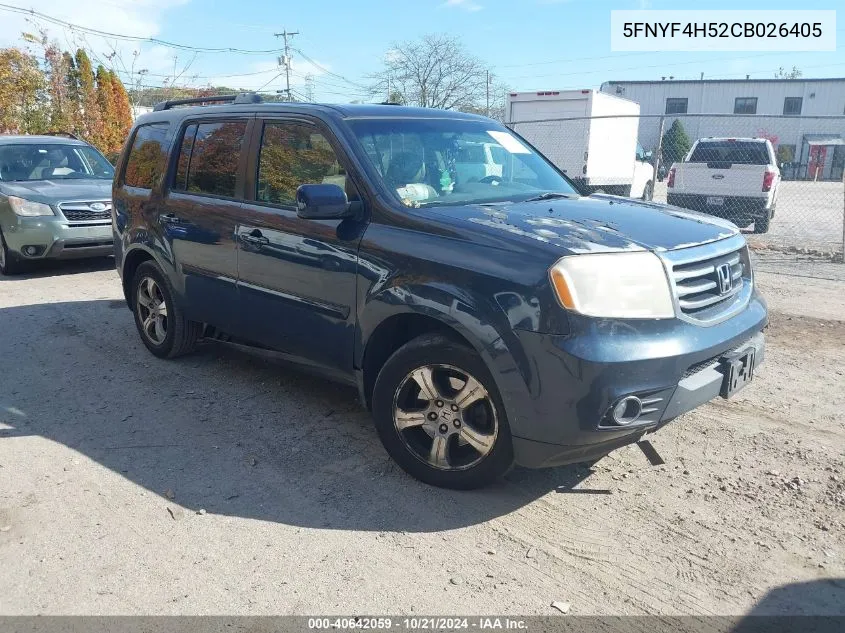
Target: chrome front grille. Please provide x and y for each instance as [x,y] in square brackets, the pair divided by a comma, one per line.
[712,282]
[86,212]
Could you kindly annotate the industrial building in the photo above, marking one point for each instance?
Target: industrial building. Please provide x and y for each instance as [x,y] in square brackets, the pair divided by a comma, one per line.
[789,112]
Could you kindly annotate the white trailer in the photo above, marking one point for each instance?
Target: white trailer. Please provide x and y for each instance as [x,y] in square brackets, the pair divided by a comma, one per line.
[589,135]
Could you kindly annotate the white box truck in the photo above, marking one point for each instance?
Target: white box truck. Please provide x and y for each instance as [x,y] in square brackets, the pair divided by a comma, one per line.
[589,135]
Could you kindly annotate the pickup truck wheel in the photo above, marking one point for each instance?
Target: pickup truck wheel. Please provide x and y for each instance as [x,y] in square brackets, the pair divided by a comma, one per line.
[761,223]
[160,322]
[648,191]
[439,415]
[9,262]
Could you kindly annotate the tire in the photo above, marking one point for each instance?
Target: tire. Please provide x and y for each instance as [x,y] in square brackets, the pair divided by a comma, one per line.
[10,264]
[761,223]
[170,333]
[648,191]
[454,374]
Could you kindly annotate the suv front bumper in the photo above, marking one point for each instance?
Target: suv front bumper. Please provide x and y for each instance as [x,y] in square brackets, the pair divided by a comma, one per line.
[575,380]
[54,238]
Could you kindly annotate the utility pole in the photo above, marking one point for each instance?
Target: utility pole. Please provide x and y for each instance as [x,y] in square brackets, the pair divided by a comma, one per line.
[286,59]
[488,92]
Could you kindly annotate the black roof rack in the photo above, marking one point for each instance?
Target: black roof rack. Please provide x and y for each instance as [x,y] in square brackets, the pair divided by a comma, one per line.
[65,134]
[244,97]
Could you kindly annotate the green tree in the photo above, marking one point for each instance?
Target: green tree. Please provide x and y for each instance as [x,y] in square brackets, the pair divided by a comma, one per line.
[795,73]
[73,94]
[676,143]
[61,107]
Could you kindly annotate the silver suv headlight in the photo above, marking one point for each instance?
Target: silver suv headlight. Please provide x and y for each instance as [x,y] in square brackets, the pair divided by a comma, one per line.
[613,285]
[29,208]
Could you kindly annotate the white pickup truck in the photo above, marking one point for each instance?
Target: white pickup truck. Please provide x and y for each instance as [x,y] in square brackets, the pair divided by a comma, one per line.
[733,178]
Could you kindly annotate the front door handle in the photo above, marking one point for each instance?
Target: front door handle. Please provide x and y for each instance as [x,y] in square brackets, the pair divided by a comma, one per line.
[255,238]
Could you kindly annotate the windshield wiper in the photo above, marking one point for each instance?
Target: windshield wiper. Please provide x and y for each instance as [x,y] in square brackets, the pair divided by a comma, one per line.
[551,195]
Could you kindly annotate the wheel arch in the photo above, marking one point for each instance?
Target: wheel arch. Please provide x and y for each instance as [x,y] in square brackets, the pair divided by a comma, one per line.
[385,325]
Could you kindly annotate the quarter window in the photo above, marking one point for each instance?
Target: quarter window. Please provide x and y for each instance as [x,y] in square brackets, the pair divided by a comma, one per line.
[294,154]
[209,157]
[676,105]
[146,160]
[792,105]
[745,105]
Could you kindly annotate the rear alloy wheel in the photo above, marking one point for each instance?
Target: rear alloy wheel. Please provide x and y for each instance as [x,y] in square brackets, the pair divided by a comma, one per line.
[437,417]
[160,322]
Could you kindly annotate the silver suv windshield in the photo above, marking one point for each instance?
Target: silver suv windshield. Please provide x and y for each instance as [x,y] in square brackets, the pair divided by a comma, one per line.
[52,161]
[450,162]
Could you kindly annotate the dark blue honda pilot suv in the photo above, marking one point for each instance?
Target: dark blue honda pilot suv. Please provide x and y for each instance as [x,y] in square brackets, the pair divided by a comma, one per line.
[488,313]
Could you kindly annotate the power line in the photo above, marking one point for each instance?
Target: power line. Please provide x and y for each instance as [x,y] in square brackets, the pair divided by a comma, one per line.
[329,72]
[131,38]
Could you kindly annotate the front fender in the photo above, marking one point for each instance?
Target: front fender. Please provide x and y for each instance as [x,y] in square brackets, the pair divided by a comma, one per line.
[482,324]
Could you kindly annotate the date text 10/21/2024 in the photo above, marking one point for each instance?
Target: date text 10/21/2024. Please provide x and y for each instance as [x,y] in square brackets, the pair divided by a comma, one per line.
[420,623]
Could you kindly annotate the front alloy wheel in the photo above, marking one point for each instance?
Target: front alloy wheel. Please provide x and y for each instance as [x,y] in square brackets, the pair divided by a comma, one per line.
[439,415]
[445,417]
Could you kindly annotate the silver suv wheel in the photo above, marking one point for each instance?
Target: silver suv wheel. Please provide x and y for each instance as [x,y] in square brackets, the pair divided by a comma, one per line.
[445,417]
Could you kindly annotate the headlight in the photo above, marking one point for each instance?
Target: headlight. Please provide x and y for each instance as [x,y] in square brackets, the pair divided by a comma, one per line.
[613,285]
[28,207]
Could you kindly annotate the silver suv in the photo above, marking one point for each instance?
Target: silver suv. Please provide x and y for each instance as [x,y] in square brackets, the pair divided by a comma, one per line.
[55,200]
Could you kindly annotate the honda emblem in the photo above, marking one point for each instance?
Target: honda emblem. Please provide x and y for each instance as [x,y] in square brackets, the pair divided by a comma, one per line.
[723,272]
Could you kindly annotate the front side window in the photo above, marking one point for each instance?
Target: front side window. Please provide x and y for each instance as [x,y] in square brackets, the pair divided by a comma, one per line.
[676,106]
[450,162]
[208,158]
[792,105]
[52,161]
[294,154]
[146,161]
[745,105]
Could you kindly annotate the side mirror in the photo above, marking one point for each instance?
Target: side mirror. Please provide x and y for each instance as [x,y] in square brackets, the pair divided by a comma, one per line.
[322,202]
[648,155]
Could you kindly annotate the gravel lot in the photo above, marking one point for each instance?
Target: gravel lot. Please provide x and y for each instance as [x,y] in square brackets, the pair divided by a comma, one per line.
[226,483]
[809,215]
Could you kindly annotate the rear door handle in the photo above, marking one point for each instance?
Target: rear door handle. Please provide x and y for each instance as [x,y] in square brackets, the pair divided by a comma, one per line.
[168,218]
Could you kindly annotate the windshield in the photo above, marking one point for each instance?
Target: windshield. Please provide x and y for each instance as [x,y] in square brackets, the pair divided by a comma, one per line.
[448,162]
[52,161]
[735,152]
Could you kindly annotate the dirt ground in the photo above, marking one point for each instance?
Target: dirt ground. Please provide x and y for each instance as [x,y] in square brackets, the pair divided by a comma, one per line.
[227,483]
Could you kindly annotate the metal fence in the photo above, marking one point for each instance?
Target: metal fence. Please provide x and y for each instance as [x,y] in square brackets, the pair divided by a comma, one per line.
[803,211]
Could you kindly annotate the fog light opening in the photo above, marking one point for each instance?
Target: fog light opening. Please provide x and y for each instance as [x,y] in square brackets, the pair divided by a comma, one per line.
[627,411]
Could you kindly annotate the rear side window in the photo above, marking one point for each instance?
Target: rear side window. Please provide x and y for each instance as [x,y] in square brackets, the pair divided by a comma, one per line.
[733,152]
[147,158]
[208,158]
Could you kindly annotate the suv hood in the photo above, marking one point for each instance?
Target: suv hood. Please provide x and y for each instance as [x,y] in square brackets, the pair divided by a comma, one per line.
[594,224]
[55,191]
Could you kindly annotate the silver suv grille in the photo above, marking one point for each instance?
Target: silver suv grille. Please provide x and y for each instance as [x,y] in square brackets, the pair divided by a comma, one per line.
[712,282]
[83,213]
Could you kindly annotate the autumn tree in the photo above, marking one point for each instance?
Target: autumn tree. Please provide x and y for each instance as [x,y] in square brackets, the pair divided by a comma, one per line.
[61,106]
[122,111]
[22,86]
[91,113]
